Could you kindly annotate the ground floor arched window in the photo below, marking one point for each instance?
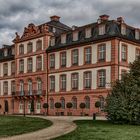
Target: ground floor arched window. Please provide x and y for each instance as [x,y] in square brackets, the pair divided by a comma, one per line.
[51,103]
[102,101]
[62,102]
[74,102]
[87,102]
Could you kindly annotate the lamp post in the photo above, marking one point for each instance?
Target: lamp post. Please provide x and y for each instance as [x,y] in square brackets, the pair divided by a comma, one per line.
[24,103]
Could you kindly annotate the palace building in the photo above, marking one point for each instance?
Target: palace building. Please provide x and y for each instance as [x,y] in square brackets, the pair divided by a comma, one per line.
[52,63]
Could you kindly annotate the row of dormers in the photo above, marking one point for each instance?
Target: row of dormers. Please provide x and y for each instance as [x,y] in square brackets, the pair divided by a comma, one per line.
[101,29]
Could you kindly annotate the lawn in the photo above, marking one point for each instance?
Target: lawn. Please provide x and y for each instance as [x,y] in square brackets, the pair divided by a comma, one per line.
[14,125]
[102,130]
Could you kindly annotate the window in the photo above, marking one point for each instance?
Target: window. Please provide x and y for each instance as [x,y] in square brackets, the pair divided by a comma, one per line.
[39,45]
[63,82]
[63,59]
[137,53]
[29,47]
[13,68]
[13,87]
[39,86]
[87,80]
[101,29]
[123,29]
[124,52]
[101,52]
[102,100]
[88,55]
[74,81]
[13,51]
[21,88]
[38,105]
[30,64]
[74,102]
[21,49]
[5,69]
[29,87]
[5,52]
[52,83]
[101,78]
[5,88]
[21,66]
[52,61]
[39,63]
[62,102]
[87,102]
[51,103]
[75,57]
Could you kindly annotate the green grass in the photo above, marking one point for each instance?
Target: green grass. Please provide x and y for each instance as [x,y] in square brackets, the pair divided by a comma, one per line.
[102,130]
[14,125]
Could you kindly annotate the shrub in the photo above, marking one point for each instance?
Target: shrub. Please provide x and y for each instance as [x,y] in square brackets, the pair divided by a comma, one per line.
[69,105]
[97,104]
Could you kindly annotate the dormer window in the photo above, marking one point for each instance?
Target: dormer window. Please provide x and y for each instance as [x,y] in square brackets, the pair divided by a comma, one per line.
[75,35]
[54,30]
[101,29]
[5,52]
[52,41]
[63,38]
[13,51]
[137,34]
[123,29]
[88,32]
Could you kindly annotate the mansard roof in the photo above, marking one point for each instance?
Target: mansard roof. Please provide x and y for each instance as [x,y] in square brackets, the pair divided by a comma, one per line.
[112,29]
[9,55]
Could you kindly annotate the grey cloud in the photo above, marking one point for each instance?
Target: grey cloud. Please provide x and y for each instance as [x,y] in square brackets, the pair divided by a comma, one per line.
[16,14]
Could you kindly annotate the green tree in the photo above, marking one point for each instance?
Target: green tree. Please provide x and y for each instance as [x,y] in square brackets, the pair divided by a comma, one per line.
[57,106]
[45,106]
[123,103]
[82,106]
[69,106]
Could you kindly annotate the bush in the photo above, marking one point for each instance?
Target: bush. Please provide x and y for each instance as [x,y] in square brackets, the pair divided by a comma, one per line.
[69,105]
[97,104]
[57,105]
[45,106]
[82,105]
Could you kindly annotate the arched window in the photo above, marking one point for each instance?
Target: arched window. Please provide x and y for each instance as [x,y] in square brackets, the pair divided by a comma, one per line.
[74,102]
[102,100]
[62,102]
[21,88]
[87,102]
[30,87]
[51,103]
[39,86]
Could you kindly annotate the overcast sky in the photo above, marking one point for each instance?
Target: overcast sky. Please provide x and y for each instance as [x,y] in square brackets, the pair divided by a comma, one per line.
[16,14]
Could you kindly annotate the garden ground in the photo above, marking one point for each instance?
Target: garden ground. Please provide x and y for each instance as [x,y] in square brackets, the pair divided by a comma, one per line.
[102,130]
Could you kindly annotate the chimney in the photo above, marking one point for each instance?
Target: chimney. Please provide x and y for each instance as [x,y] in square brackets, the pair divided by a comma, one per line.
[120,19]
[104,17]
[54,18]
